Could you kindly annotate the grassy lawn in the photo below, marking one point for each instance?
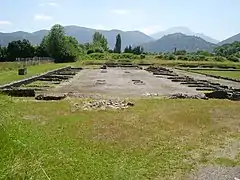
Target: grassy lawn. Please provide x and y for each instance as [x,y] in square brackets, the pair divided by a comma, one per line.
[9,71]
[230,74]
[7,75]
[178,63]
[156,139]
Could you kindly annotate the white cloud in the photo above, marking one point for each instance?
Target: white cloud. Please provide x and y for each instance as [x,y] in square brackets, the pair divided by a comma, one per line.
[150,29]
[52,4]
[49,4]
[5,22]
[42,17]
[120,11]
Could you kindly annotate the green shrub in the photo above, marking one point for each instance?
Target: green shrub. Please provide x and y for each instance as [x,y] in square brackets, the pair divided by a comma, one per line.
[98,50]
[233,58]
[110,51]
[124,56]
[169,57]
[180,57]
[90,51]
[142,56]
[98,56]
[219,58]
[124,60]
[160,56]
[202,57]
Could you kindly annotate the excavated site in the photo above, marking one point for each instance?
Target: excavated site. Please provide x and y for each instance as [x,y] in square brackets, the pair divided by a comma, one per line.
[114,83]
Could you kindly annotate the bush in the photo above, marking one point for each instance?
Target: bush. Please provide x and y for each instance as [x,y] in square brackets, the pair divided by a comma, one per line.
[142,56]
[219,58]
[110,51]
[202,57]
[98,56]
[180,52]
[181,57]
[160,56]
[98,50]
[169,57]
[90,51]
[233,58]
[124,56]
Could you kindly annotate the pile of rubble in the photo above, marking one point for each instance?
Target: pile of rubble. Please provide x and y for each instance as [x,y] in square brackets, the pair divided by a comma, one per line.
[187,96]
[160,71]
[103,105]
[151,94]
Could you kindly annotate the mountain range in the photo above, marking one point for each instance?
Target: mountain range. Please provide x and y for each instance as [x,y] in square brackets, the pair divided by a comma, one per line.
[82,34]
[183,30]
[177,37]
[179,41]
[230,40]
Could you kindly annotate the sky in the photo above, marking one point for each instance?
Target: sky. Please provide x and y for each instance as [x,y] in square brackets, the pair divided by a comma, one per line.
[216,18]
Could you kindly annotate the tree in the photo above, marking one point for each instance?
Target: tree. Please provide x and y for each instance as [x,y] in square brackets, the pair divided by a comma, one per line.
[118,44]
[55,42]
[27,50]
[59,46]
[14,50]
[71,49]
[20,49]
[128,49]
[41,50]
[100,40]
[138,50]
[3,54]
[228,49]
[180,52]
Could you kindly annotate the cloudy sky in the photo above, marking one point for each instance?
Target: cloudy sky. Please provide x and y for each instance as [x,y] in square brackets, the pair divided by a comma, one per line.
[216,18]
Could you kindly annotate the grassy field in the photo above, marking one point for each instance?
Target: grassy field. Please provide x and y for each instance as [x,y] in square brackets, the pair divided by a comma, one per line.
[8,71]
[230,74]
[177,63]
[11,74]
[156,139]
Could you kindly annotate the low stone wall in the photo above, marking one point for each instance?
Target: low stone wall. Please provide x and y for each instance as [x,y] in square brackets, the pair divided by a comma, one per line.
[19,92]
[31,79]
[219,91]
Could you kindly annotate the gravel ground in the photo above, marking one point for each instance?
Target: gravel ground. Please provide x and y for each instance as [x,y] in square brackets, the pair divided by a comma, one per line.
[120,82]
[216,173]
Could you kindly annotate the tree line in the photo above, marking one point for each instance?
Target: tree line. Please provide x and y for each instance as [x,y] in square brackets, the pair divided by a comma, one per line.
[62,48]
[229,51]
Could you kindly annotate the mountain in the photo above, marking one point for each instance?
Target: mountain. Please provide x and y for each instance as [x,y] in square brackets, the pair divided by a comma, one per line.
[183,30]
[230,40]
[82,34]
[180,41]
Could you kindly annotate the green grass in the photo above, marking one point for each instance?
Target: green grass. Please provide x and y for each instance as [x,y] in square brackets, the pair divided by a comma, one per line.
[230,74]
[12,75]
[154,61]
[40,84]
[156,139]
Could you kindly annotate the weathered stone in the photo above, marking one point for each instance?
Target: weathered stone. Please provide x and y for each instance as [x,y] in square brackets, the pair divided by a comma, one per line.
[50,97]
[217,95]
[22,71]
[186,96]
[103,67]
[19,92]
[106,104]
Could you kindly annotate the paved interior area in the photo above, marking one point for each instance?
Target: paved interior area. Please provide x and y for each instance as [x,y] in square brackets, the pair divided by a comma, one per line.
[121,82]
